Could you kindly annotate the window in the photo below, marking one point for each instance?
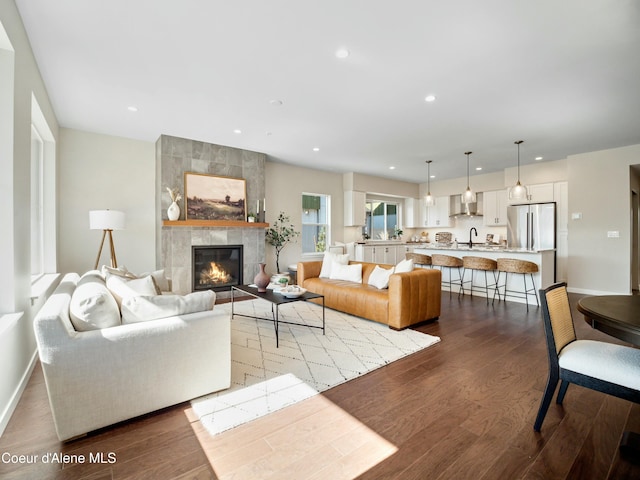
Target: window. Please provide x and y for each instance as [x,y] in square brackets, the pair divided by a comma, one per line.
[43,195]
[382,219]
[315,222]
[37,223]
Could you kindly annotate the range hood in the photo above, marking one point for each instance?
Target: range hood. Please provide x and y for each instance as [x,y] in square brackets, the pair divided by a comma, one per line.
[458,209]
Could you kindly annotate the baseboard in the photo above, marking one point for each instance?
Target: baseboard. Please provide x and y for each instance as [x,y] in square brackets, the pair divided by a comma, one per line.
[15,398]
[586,291]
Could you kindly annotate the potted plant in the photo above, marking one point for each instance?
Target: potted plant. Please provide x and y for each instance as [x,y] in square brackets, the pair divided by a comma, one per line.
[279,234]
[251,217]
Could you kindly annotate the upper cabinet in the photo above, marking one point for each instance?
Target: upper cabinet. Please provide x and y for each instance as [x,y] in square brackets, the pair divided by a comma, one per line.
[495,208]
[438,214]
[542,192]
[411,213]
[355,208]
[539,193]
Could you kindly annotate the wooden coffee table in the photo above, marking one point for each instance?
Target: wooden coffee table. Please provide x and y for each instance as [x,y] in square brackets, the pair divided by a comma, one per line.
[276,300]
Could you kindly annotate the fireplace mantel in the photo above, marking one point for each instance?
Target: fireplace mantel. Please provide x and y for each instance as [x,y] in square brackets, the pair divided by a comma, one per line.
[213,223]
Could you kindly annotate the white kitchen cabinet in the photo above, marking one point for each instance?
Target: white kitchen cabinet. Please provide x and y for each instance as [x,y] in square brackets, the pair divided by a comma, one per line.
[382,254]
[438,214]
[411,213]
[354,208]
[542,192]
[561,197]
[495,208]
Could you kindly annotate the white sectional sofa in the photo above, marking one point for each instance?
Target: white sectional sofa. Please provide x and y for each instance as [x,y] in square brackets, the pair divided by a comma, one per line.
[103,376]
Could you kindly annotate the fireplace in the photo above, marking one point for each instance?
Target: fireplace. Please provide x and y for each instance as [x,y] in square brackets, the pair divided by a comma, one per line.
[216,267]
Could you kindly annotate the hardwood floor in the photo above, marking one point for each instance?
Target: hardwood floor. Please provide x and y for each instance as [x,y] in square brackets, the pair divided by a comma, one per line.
[461,409]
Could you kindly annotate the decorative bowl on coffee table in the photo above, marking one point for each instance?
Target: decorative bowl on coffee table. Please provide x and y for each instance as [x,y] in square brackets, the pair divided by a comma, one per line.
[292,291]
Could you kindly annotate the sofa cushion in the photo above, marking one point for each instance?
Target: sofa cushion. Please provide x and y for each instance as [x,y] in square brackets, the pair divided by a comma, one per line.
[379,278]
[92,306]
[404,266]
[142,308]
[350,273]
[352,298]
[121,287]
[327,263]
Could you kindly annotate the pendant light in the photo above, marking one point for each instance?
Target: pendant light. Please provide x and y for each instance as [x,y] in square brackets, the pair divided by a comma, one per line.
[518,191]
[428,200]
[468,196]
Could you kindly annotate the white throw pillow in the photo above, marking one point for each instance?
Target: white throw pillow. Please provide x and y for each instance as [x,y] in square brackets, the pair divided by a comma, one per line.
[379,278]
[350,273]
[327,263]
[120,271]
[92,307]
[404,266]
[121,287]
[143,308]
[161,280]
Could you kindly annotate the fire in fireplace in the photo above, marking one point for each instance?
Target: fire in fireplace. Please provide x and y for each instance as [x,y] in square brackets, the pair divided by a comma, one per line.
[216,267]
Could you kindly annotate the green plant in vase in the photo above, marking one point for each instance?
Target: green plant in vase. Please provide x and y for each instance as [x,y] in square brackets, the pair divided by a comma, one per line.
[279,234]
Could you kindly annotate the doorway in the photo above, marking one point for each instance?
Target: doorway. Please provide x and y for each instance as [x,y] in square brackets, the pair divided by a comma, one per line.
[635,247]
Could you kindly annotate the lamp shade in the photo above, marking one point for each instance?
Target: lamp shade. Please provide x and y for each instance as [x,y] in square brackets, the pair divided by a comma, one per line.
[106,220]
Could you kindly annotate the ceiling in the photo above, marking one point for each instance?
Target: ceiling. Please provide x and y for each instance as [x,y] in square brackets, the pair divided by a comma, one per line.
[564,76]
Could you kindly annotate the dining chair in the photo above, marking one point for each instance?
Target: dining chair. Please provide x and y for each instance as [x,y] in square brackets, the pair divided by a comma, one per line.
[601,366]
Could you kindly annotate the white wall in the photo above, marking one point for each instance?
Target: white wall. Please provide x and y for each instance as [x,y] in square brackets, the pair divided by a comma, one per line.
[99,172]
[284,187]
[600,189]
[20,81]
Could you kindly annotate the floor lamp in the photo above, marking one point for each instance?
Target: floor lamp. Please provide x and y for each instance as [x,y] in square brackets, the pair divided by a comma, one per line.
[107,221]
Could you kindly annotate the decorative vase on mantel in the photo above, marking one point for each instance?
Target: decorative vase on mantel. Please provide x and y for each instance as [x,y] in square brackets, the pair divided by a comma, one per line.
[173,212]
[262,279]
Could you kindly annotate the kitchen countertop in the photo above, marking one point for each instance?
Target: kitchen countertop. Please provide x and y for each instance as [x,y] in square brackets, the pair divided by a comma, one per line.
[477,247]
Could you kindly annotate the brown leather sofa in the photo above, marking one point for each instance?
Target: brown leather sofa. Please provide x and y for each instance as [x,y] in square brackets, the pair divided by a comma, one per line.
[411,298]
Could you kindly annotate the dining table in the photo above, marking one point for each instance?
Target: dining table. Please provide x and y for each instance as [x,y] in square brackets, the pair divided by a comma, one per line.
[619,317]
[615,315]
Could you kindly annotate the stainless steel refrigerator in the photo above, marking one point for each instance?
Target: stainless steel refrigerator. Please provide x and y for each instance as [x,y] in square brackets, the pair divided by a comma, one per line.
[532,226]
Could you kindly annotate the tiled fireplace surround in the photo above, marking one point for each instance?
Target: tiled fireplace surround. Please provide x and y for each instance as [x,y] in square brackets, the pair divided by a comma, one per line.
[174,156]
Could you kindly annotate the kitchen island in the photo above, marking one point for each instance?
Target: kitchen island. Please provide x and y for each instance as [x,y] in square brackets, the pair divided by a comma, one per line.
[545,259]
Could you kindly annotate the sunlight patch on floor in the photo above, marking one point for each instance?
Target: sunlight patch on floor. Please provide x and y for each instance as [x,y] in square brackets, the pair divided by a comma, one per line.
[313,439]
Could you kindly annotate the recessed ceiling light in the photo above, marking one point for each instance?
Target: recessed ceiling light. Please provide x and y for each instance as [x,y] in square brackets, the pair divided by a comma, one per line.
[237,130]
[478,168]
[432,176]
[342,53]
[392,168]
[538,158]
[132,108]
[276,103]
[430,98]
[316,149]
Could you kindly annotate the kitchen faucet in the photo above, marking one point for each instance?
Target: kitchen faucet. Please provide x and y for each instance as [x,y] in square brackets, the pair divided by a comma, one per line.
[473,229]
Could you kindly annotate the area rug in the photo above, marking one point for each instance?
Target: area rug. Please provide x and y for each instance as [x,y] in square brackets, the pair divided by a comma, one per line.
[265,378]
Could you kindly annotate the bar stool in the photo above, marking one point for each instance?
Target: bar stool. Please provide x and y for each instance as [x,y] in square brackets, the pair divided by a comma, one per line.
[419,259]
[450,263]
[480,264]
[524,267]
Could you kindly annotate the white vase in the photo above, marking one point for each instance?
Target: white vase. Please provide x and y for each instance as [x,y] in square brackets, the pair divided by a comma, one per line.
[173,212]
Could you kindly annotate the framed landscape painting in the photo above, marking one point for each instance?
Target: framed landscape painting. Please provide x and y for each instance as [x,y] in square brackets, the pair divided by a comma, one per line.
[210,197]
